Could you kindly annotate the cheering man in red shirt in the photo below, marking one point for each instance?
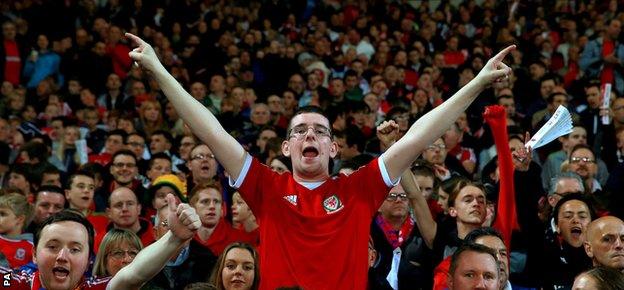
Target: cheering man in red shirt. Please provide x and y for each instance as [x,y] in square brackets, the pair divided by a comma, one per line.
[314,229]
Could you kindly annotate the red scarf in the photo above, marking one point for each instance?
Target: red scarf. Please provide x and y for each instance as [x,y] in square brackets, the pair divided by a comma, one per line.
[394,237]
[506,218]
[608,46]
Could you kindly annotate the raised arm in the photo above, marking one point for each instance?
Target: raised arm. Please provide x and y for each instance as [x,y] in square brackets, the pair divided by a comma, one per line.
[426,225]
[203,123]
[183,222]
[431,126]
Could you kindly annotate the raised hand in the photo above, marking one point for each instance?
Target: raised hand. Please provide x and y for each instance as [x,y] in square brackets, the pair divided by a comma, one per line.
[183,221]
[522,156]
[388,133]
[143,54]
[495,70]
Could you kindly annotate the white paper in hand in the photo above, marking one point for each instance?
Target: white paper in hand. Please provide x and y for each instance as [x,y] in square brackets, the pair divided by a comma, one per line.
[606,102]
[558,125]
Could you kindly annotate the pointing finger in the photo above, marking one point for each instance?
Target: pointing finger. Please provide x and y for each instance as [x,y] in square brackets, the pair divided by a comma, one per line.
[135,39]
[503,53]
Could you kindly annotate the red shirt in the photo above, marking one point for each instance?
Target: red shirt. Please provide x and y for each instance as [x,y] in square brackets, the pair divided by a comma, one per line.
[25,281]
[440,274]
[314,238]
[608,47]
[13,63]
[99,223]
[223,235]
[18,252]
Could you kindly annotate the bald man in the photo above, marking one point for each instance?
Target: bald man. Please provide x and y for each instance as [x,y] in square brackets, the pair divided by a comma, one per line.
[605,242]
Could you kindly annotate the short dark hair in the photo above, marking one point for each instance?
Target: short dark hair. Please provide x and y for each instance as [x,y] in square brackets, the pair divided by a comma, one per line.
[482,232]
[470,247]
[551,98]
[160,155]
[78,173]
[118,132]
[67,215]
[124,152]
[133,134]
[165,134]
[579,147]
[574,196]
[304,110]
[36,149]
[49,188]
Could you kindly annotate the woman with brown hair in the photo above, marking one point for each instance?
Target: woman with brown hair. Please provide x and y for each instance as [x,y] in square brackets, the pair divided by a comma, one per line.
[237,268]
[150,117]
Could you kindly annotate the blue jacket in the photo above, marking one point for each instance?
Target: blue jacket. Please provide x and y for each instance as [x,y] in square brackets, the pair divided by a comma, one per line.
[47,64]
[591,62]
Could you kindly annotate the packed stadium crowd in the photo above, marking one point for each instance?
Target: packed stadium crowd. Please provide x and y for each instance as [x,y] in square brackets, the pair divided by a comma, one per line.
[211,144]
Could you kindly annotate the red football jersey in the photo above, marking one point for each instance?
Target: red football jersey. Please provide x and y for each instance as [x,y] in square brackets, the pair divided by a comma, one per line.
[18,252]
[25,281]
[314,238]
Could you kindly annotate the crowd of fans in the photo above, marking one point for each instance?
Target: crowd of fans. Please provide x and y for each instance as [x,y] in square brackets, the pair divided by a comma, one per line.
[82,127]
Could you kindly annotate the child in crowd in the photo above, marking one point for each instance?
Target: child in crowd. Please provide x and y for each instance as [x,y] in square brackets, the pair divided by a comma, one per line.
[15,215]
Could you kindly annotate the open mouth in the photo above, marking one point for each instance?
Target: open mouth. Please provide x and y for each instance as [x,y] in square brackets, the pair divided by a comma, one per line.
[576,232]
[60,272]
[206,168]
[310,152]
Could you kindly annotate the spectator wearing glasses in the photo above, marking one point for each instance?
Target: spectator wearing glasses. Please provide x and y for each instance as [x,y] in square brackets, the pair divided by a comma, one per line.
[393,231]
[202,165]
[444,166]
[583,162]
[118,249]
[125,172]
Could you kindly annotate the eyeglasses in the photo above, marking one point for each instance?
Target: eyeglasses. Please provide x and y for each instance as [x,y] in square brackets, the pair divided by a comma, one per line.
[436,146]
[202,156]
[120,254]
[583,159]
[135,144]
[393,196]
[300,131]
[121,164]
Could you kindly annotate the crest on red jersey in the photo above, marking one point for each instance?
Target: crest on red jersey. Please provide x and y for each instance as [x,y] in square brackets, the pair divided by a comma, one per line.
[20,254]
[332,204]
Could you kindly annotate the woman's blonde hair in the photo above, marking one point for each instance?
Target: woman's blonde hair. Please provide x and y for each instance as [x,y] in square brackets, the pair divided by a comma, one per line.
[148,127]
[114,238]
[19,205]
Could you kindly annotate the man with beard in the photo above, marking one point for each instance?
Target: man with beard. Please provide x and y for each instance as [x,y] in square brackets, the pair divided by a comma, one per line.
[564,256]
[605,242]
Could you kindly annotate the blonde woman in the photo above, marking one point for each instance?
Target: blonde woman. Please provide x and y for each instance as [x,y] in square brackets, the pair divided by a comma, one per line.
[150,118]
[118,249]
[66,152]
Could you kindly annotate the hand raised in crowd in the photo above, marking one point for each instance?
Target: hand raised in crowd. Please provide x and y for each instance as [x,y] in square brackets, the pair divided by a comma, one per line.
[143,54]
[522,156]
[387,133]
[495,70]
[182,221]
